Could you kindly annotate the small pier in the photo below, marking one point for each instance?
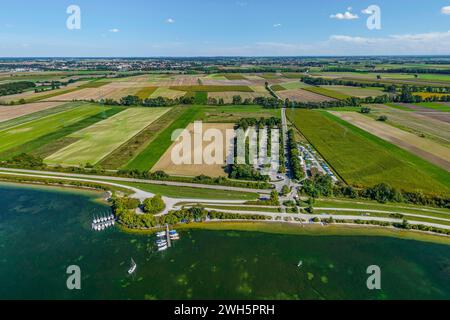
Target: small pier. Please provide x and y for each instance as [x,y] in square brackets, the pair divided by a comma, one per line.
[165,238]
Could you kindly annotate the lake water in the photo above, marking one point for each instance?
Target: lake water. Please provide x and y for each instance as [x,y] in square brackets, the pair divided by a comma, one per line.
[43,231]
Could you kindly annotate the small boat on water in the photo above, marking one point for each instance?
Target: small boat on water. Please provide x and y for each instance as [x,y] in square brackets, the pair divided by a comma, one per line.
[164,248]
[133,267]
[300,264]
[161,234]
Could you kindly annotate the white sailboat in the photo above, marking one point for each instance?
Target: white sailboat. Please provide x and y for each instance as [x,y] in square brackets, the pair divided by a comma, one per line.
[133,267]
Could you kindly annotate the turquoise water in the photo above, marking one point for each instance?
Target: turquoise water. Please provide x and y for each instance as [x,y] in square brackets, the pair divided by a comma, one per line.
[43,231]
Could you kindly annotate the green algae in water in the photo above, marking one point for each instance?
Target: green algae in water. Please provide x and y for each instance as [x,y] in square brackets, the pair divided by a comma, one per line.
[42,231]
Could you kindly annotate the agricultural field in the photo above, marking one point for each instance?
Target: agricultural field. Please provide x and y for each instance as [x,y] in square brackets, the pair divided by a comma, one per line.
[12,138]
[432,110]
[31,96]
[146,92]
[96,142]
[420,125]
[228,96]
[153,151]
[167,165]
[362,159]
[356,91]
[424,148]
[327,92]
[166,92]
[15,111]
[232,114]
[128,151]
[213,88]
[302,95]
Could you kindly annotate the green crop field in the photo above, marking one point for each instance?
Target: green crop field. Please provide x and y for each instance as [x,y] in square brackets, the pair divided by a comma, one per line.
[94,84]
[294,85]
[234,76]
[96,142]
[232,114]
[327,93]
[278,87]
[362,159]
[199,88]
[21,134]
[356,91]
[46,145]
[154,151]
[201,97]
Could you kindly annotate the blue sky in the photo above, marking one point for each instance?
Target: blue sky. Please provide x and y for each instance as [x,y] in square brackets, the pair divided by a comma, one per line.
[223,27]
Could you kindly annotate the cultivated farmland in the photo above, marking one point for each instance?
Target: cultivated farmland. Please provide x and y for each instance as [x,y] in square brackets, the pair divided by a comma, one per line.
[213,170]
[423,148]
[356,91]
[148,157]
[21,134]
[327,93]
[96,142]
[12,112]
[302,96]
[362,159]
[422,126]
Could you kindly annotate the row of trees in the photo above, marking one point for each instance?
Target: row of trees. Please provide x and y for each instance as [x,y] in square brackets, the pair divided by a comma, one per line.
[15,87]
[322,186]
[149,102]
[294,156]
[271,122]
[129,218]
[390,88]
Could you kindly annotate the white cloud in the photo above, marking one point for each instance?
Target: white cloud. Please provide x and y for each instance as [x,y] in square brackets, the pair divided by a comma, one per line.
[446,10]
[170,20]
[115,30]
[277,25]
[347,15]
[367,11]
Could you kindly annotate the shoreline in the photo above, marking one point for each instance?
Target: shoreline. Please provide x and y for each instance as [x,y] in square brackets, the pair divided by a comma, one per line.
[274,227]
[285,228]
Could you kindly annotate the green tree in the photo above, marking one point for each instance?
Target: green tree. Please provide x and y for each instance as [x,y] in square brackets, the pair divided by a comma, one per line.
[154,205]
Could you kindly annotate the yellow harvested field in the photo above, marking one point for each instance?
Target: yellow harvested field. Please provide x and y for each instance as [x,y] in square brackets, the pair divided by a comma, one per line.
[422,147]
[302,96]
[228,96]
[191,170]
[12,112]
[167,93]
